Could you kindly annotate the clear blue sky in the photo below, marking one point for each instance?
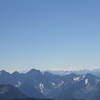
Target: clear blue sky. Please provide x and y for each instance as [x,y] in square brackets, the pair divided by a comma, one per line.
[49,33]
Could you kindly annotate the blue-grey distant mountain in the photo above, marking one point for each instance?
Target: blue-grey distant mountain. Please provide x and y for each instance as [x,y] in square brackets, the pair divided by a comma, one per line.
[72,86]
[8,92]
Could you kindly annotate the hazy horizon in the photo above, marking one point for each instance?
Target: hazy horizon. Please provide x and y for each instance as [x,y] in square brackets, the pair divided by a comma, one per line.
[25,69]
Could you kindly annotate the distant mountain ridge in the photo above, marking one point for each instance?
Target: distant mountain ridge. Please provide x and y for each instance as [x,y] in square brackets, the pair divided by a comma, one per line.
[36,84]
[95,72]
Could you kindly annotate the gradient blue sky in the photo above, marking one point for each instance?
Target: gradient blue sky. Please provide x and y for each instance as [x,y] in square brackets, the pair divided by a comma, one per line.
[49,34]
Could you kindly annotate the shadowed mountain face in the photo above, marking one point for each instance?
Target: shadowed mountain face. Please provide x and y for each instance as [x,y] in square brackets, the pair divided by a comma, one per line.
[8,92]
[35,84]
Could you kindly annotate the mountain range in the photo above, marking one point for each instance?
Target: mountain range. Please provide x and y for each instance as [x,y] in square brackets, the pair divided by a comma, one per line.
[35,84]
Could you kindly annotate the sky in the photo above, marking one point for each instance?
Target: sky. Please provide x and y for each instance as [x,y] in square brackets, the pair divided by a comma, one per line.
[49,34]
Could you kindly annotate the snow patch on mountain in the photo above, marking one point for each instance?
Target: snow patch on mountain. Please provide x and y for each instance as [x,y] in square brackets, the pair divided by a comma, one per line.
[18,84]
[54,84]
[41,86]
[60,84]
[86,81]
[77,78]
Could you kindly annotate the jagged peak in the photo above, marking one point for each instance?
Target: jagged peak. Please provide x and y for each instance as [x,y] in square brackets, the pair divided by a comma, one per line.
[3,72]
